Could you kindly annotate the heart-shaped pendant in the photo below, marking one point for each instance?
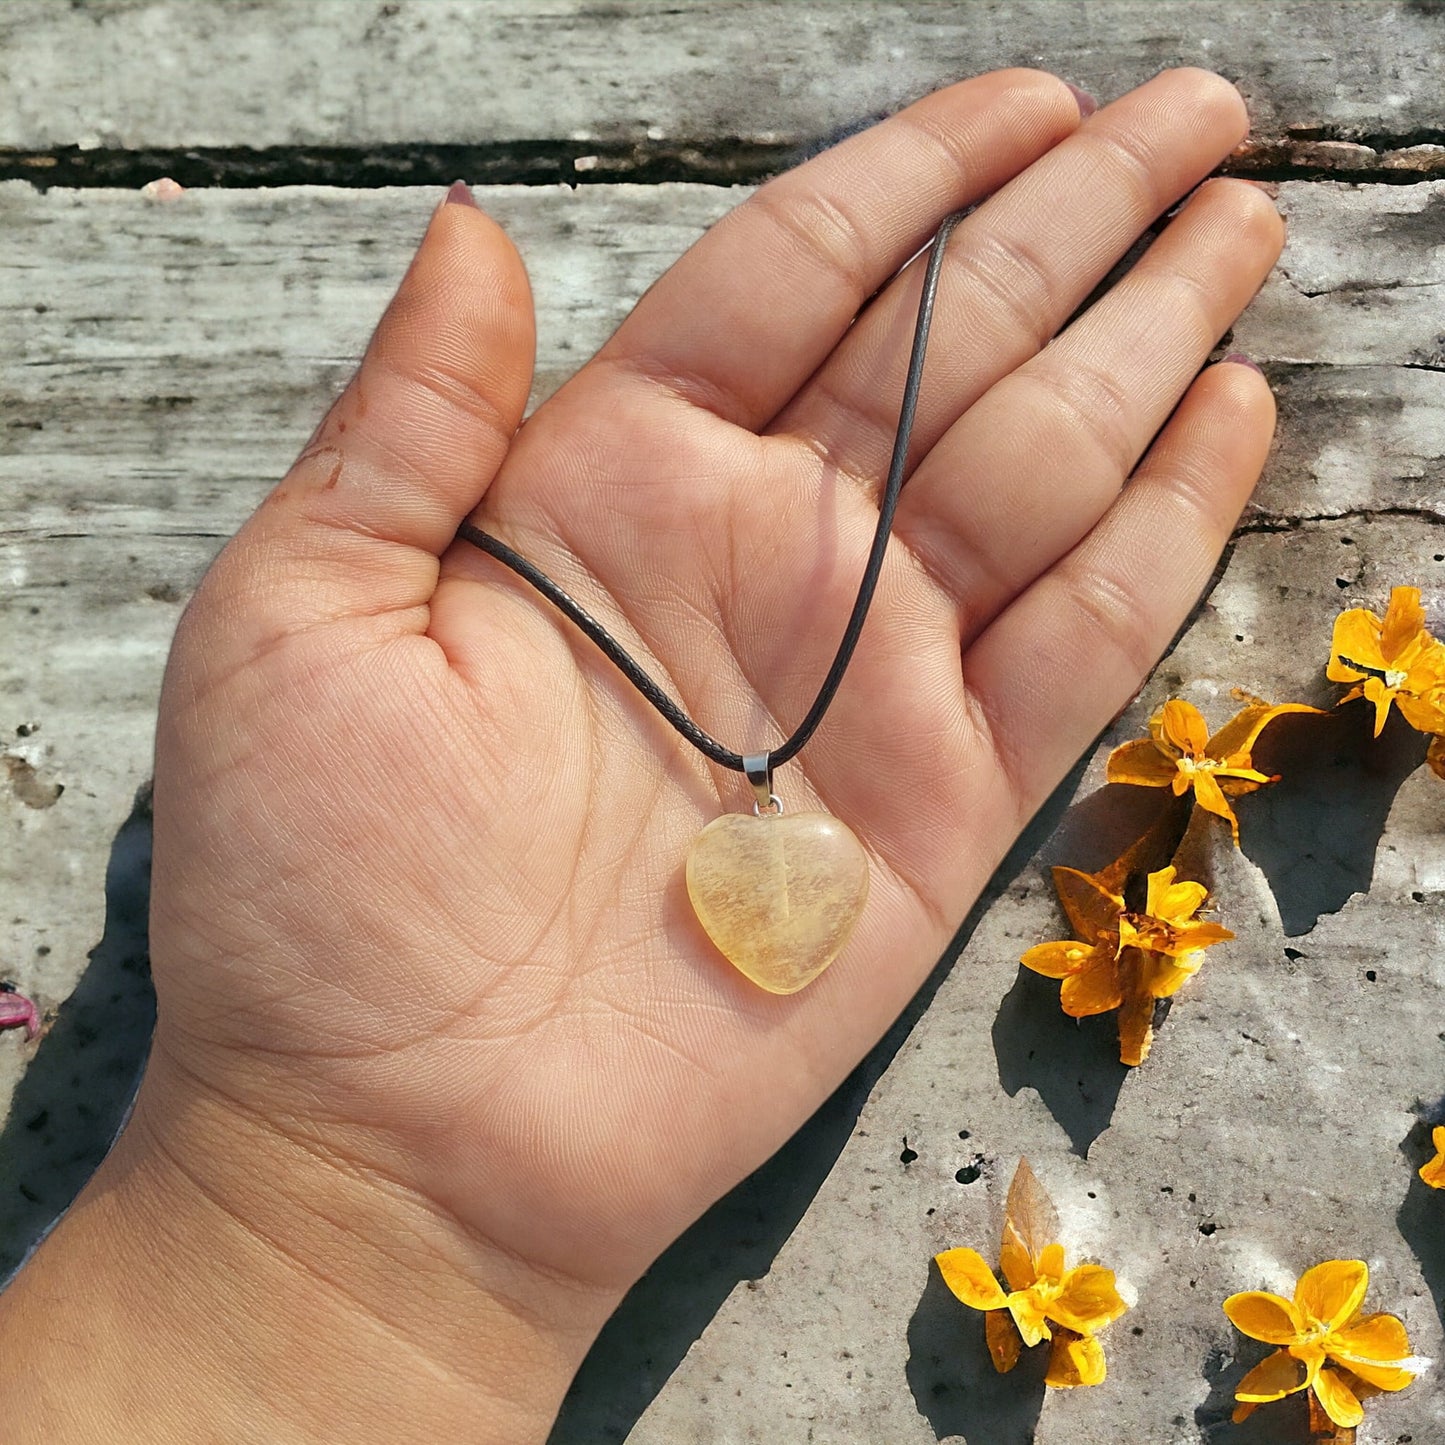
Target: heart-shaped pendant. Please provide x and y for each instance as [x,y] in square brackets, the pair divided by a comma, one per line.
[778,893]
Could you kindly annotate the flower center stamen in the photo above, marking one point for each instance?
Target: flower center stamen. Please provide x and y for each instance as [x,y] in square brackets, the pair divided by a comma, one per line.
[1192,766]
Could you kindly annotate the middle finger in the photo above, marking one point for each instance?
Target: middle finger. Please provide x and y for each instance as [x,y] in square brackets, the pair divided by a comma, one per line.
[1018,267]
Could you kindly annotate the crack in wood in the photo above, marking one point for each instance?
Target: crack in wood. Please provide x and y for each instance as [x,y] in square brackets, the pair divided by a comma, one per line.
[1399,160]
[1277,522]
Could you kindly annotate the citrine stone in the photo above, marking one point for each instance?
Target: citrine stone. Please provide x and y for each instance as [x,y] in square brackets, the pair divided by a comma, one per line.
[778,893]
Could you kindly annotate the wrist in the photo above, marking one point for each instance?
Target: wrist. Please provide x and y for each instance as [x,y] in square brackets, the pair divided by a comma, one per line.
[219,1279]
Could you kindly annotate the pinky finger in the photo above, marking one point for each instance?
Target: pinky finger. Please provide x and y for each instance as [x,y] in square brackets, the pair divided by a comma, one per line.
[1070,651]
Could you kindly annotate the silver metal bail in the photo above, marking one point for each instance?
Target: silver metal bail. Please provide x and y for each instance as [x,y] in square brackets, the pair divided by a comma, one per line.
[759,770]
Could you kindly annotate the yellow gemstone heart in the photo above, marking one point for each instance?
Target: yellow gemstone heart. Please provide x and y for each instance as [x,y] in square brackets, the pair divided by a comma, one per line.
[778,893]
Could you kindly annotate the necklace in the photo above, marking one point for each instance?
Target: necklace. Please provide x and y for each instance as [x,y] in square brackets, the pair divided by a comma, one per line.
[777,893]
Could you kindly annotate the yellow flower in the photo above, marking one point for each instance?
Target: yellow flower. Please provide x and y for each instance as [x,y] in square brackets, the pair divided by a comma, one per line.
[1180,754]
[1327,1345]
[1044,1300]
[1433,1172]
[1435,755]
[1392,659]
[1125,960]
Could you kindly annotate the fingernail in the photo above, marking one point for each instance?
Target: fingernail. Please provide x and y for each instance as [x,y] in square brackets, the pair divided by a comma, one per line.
[1240,359]
[460,194]
[1087,104]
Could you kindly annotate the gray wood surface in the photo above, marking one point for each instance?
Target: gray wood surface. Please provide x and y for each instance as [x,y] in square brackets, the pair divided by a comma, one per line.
[164,361]
[171,358]
[354,73]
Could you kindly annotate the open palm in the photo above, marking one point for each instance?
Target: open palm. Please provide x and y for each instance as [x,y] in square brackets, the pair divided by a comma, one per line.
[418,888]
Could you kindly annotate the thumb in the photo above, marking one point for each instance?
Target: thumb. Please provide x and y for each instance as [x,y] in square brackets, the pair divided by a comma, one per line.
[409,447]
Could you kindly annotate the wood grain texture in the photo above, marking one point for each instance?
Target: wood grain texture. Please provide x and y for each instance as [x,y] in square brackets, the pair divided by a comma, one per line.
[168,360]
[164,362]
[362,72]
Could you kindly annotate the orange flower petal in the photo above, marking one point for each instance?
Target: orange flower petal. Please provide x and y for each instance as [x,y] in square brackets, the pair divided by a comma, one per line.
[1320,1428]
[1377,1349]
[1356,640]
[1050,1263]
[1136,1030]
[1094,989]
[1331,1292]
[1265,1317]
[969,1277]
[1433,1172]
[1030,1222]
[1276,1376]
[1140,762]
[1338,1399]
[1088,1300]
[1005,1344]
[1403,622]
[1092,910]
[1209,796]
[1029,1317]
[1075,1360]
[1435,757]
[1058,960]
[1371,1337]
[1171,901]
[1236,739]
[1182,727]
[1164,976]
[1423,714]
[1238,781]
[1381,696]
[1366,1379]
[1015,1263]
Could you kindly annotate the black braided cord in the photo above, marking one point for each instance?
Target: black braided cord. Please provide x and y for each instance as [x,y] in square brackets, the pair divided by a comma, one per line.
[704,742]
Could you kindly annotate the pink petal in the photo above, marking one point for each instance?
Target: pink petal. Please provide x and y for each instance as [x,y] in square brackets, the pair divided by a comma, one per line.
[16,1009]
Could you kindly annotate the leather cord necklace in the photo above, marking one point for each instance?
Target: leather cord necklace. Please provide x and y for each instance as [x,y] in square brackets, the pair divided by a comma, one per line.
[778,895]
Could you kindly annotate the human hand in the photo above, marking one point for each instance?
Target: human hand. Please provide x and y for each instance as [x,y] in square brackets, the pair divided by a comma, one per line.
[438,1029]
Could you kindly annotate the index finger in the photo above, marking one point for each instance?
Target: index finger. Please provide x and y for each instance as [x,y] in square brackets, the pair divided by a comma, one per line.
[750,312]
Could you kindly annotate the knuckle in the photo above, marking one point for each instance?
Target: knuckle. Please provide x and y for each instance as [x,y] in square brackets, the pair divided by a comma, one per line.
[1132,158]
[1091,404]
[460,392]
[824,227]
[1016,276]
[1107,608]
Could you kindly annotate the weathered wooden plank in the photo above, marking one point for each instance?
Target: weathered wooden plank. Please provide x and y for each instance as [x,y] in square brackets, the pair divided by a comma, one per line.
[167,360]
[170,74]
[172,357]
[226,320]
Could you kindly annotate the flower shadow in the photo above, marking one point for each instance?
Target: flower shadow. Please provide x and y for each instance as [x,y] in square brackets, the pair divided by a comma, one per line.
[954,1384]
[1314,833]
[1421,1218]
[1072,1064]
[1284,1423]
